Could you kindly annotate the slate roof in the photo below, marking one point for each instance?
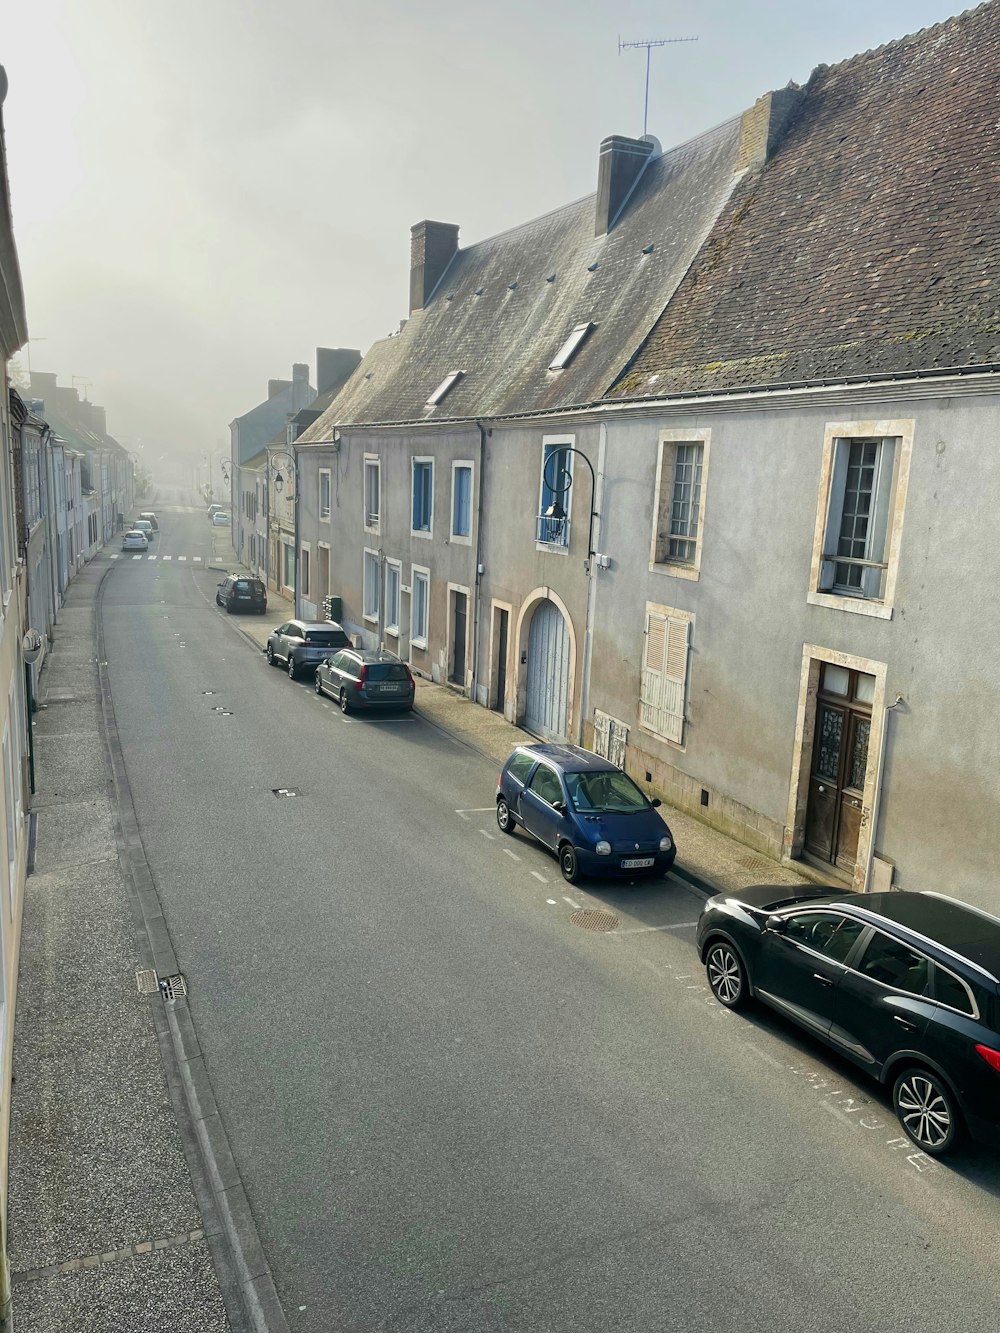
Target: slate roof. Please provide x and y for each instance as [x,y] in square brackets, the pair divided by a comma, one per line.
[868,245]
[503,337]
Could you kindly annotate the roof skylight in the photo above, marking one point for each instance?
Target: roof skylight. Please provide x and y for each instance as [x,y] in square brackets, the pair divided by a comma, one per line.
[570,347]
[445,387]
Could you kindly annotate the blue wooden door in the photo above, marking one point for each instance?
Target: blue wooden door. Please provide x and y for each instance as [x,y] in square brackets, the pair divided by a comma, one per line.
[548,673]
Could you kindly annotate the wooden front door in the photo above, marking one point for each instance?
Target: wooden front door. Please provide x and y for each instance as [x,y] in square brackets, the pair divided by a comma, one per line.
[839,766]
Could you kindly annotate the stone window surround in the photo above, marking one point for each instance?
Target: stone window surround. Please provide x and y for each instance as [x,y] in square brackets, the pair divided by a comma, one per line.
[902,430]
[668,440]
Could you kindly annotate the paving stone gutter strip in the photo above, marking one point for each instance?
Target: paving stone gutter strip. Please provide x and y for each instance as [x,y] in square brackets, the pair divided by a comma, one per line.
[229,1225]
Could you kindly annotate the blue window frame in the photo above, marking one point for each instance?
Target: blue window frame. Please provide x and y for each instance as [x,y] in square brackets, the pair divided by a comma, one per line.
[461,518]
[423,495]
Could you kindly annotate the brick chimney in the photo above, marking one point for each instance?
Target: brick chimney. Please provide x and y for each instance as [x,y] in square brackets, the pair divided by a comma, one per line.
[765,123]
[619,166]
[334,367]
[432,247]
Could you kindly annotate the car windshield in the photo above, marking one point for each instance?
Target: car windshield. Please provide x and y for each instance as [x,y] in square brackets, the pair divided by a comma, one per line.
[327,638]
[385,671]
[608,793]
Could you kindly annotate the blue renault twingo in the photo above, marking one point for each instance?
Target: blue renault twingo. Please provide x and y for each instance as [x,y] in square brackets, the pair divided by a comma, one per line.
[585,809]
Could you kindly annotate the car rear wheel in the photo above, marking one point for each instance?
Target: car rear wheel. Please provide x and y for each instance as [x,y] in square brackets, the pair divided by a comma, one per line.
[345,703]
[292,668]
[727,977]
[504,817]
[270,655]
[927,1111]
[568,864]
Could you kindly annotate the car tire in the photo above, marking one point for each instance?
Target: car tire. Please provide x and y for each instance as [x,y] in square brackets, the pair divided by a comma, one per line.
[270,655]
[291,667]
[218,600]
[927,1111]
[318,684]
[568,863]
[506,821]
[345,703]
[727,977]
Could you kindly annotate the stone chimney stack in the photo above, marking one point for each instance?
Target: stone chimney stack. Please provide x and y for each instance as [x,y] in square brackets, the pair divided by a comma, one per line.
[334,367]
[619,166]
[765,123]
[432,247]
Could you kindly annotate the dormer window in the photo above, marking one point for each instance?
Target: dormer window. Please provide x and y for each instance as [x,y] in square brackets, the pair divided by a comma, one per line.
[445,387]
[570,347]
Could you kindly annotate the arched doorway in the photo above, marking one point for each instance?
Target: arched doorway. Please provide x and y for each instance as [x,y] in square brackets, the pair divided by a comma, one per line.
[549,668]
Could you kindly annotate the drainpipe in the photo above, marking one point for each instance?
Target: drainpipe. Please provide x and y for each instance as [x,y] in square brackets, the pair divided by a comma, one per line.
[877,799]
[479,562]
[597,504]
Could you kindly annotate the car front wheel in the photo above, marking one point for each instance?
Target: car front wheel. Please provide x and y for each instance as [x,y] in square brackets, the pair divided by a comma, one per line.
[927,1111]
[727,977]
[504,817]
[270,655]
[568,864]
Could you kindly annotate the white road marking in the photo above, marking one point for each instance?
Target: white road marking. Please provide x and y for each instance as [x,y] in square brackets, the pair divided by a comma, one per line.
[182,557]
[197,559]
[150,557]
[541,878]
[479,810]
[487,835]
[116,557]
[513,855]
[642,930]
[168,557]
[137,557]
[571,902]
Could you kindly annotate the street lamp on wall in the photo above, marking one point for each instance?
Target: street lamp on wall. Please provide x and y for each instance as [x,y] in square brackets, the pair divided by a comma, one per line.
[555,515]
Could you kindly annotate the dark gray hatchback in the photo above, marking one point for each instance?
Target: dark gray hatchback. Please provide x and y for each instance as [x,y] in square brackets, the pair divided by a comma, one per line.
[906,985]
[363,679]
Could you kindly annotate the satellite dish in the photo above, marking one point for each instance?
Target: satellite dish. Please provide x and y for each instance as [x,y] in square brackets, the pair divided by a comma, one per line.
[31,646]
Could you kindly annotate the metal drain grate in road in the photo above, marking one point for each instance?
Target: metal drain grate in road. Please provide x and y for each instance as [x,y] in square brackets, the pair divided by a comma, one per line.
[285,791]
[171,988]
[589,919]
[751,863]
[145,979]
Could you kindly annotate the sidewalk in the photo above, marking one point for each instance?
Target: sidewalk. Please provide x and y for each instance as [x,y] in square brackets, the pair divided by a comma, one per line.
[706,858]
[105,1229]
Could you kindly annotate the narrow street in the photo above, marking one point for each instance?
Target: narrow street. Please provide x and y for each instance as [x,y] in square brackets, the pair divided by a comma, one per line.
[451,1107]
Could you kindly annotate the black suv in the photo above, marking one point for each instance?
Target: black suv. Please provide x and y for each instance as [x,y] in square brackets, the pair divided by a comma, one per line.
[239,593]
[907,985]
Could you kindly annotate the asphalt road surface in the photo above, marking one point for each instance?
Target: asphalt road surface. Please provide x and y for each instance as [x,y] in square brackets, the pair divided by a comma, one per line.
[453,1108]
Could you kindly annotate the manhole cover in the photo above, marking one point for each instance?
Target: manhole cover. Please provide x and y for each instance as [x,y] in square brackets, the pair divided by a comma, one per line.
[173,987]
[145,979]
[589,919]
[285,791]
[751,863]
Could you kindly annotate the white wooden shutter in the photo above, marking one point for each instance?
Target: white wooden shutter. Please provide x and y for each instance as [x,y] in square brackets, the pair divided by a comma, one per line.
[664,676]
[602,730]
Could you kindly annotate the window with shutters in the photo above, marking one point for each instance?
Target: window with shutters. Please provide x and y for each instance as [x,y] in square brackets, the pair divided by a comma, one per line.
[663,686]
[679,506]
[859,516]
[371,585]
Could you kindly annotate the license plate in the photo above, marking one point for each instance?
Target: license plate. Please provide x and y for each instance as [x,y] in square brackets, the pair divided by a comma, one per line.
[390,689]
[637,862]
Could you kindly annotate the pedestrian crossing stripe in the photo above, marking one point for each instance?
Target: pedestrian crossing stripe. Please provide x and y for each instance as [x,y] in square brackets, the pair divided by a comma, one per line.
[181,559]
[168,557]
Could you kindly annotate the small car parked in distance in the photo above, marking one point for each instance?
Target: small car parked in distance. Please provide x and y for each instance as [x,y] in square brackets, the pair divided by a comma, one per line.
[304,643]
[144,526]
[238,592]
[134,540]
[150,518]
[220,519]
[585,809]
[365,679]
[905,985]
[214,509]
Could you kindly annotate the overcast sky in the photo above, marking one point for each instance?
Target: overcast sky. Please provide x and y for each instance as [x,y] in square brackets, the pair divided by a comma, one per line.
[204,191]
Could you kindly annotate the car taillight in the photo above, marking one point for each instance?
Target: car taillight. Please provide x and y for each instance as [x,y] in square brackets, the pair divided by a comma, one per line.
[364,672]
[409,673]
[991,1056]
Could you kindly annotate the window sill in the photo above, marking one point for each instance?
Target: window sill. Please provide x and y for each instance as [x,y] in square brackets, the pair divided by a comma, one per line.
[853,605]
[678,571]
[458,540]
[552,548]
[426,533]
[419,643]
[324,518]
[372,619]
[393,630]
[681,746]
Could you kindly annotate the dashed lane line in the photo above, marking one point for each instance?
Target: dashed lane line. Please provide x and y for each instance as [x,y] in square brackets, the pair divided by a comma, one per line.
[540,877]
[513,855]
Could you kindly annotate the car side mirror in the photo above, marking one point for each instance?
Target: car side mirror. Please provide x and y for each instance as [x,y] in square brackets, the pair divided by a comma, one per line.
[559,807]
[656,803]
[777,924]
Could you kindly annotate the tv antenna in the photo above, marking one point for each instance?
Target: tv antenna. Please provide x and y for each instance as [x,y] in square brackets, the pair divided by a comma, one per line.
[666,41]
[84,384]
